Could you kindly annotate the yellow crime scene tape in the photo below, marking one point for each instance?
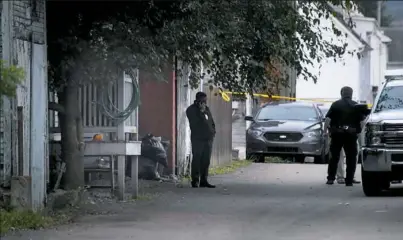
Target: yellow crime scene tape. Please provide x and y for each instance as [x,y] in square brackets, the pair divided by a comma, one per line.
[225,96]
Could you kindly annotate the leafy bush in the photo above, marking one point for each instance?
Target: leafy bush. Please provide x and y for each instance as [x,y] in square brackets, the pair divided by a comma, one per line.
[14,220]
[11,77]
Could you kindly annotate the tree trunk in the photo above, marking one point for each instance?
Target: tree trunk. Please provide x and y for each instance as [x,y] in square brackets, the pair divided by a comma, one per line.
[71,138]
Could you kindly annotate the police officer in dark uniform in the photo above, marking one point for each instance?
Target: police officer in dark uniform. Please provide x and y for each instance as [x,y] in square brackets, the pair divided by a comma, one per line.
[203,130]
[345,125]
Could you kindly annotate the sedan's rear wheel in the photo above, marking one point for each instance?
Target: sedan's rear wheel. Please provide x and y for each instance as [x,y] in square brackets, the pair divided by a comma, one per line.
[255,157]
[322,159]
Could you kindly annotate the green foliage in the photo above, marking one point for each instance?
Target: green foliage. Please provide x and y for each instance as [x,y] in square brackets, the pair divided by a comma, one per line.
[234,39]
[11,77]
[22,220]
[229,168]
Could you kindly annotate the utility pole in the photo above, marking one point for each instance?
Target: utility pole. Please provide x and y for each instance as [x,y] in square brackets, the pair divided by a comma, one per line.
[379,13]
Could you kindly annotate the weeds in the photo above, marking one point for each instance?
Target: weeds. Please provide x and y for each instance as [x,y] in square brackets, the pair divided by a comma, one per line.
[277,160]
[22,220]
[145,197]
[229,168]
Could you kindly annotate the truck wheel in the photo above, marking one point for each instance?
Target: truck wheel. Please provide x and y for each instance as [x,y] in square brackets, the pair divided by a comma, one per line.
[385,185]
[359,158]
[371,184]
[300,159]
[261,159]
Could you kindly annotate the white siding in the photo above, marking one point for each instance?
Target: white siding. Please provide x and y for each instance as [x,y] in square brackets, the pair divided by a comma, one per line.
[182,128]
[367,28]
[332,76]
[23,36]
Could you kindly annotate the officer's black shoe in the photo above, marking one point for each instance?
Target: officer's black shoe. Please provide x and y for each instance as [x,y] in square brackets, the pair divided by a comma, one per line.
[195,184]
[349,184]
[206,185]
[330,182]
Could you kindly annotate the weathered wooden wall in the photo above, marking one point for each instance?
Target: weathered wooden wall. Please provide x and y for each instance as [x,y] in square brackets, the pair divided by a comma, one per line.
[183,96]
[7,104]
[222,115]
[2,142]
[25,129]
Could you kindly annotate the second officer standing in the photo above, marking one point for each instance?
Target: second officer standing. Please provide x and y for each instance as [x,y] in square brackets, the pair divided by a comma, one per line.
[345,125]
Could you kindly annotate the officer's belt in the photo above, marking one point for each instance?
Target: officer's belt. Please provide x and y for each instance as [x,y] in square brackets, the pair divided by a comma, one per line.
[343,129]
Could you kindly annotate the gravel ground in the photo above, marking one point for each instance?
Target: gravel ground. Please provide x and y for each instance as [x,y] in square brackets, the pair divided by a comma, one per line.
[272,201]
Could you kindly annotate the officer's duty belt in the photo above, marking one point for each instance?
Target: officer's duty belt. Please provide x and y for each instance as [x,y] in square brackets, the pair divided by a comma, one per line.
[343,129]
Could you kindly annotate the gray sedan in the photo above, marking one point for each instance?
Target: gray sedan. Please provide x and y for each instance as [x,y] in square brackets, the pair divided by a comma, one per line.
[287,130]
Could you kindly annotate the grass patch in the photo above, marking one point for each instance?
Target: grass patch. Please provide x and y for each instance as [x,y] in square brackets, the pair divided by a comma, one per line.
[145,197]
[219,170]
[229,168]
[22,220]
[277,160]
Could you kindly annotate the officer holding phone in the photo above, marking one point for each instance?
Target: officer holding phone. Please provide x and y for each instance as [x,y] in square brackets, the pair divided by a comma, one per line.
[203,131]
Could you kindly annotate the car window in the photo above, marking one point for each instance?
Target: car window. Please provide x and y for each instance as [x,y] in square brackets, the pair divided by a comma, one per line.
[391,98]
[287,112]
[324,110]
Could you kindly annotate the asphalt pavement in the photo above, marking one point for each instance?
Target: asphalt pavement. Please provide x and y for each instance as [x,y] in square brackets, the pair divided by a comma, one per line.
[262,201]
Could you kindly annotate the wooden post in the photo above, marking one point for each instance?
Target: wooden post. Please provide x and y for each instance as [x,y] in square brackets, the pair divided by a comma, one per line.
[135,159]
[121,138]
[18,168]
[135,176]
[39,125]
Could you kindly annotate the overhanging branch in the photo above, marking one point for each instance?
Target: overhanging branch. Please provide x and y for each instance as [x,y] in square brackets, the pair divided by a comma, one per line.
[56,107]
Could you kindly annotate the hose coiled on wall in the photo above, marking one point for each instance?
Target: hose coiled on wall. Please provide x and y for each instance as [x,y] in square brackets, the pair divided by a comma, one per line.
[113,111]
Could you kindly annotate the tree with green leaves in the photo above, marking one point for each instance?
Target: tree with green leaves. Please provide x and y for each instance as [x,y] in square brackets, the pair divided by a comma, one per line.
[236,40]
[11,77]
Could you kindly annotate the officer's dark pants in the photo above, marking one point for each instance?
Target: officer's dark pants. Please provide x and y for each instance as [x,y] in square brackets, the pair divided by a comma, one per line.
[347,141]
[201,151]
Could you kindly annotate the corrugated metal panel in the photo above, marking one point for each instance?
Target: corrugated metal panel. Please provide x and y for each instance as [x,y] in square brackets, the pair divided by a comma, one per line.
[1,106]
[192,97]
[29,20]
[182,124]
[6,116]
[23,51]
[222,115]
[1,44]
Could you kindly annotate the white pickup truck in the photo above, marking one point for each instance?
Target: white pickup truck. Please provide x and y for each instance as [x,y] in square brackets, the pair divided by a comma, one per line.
[382,139]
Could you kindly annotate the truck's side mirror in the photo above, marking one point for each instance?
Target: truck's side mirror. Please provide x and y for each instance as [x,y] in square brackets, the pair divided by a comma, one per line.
[363,109]
[249,118]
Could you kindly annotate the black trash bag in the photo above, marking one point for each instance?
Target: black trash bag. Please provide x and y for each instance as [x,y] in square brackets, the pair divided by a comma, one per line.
[148,169]
[153,149]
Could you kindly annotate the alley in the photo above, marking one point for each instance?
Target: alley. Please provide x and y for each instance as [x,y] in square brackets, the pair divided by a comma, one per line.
[263,201]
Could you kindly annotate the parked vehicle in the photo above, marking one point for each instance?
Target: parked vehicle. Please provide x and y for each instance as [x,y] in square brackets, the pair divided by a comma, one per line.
[287,130]
[382,139]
